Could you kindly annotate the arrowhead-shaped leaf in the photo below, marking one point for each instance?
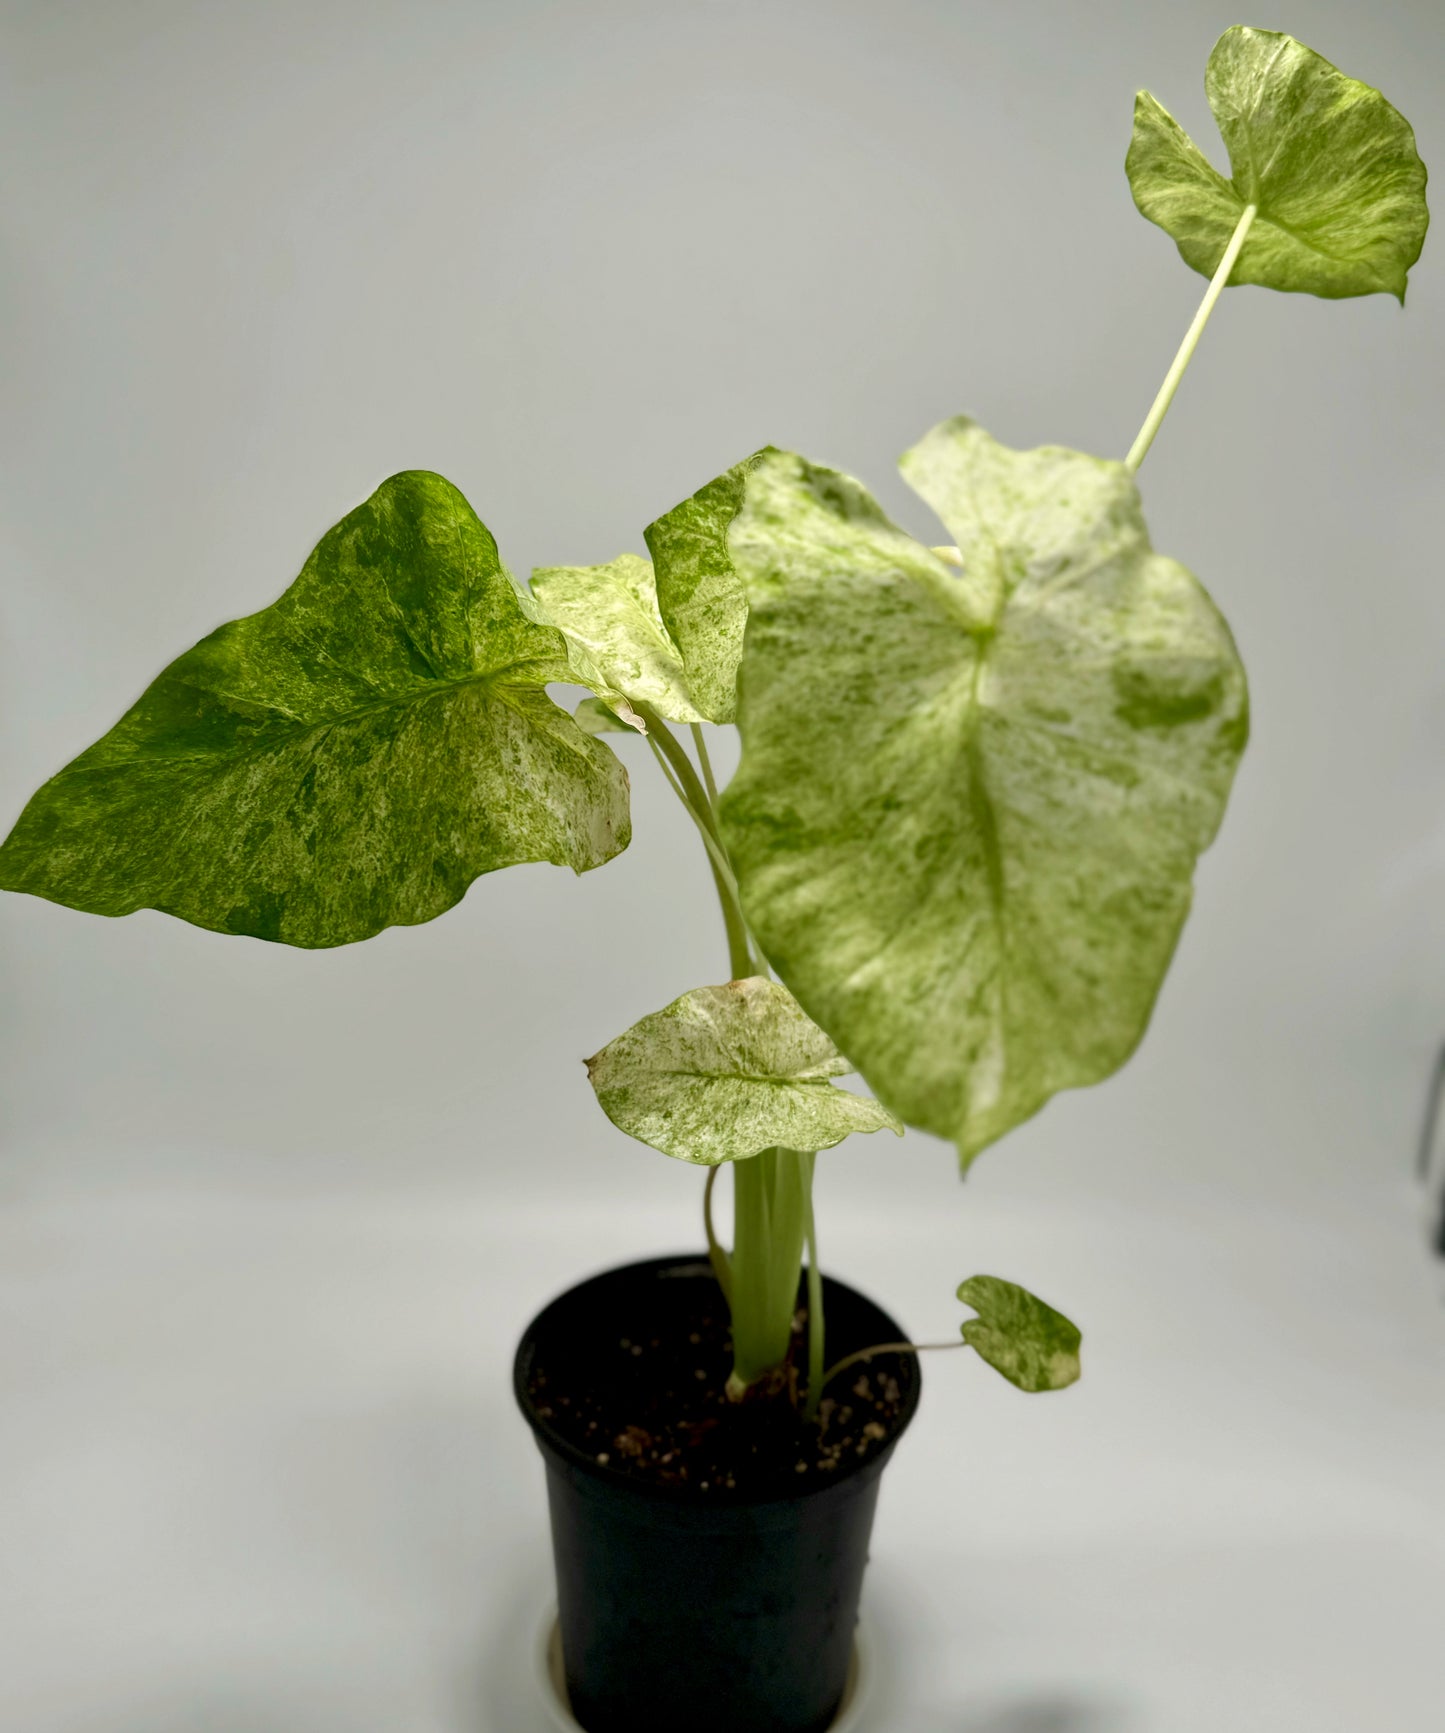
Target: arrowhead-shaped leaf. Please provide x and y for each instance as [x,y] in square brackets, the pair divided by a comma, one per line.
[724,1073]
[1330,165]
[616,641]
[348,759]
[699,595]
[969,804]
[1031,1344]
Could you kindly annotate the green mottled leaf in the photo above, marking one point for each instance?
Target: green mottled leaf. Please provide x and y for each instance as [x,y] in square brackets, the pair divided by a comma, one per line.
[616,641]
[969,803]
[1330,165]
[594,717]
[348,759]
[698,592]
[1031,1344]
[724,1073]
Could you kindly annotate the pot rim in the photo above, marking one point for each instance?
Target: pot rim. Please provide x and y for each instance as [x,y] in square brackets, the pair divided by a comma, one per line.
[692,1265]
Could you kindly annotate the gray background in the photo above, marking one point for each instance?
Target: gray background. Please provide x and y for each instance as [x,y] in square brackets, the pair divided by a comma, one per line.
[271,1220]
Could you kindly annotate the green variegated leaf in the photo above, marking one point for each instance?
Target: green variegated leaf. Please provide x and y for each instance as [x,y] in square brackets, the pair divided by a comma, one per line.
[970,803]
[348,759]
[1031,1344]
[616,641]
[1330,166]
[724,1073]
[594,717]
[698,592]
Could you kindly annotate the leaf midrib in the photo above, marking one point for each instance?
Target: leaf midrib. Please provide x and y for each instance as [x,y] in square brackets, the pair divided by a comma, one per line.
[790,1080]
[293,730]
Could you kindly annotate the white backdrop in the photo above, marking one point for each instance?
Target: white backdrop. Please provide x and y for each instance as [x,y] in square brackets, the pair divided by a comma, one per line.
[273,1219]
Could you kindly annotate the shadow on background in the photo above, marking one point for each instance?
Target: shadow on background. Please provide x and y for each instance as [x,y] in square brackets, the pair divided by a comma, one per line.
[1054,1712]
[499,1692]
[1048,1709]
[228,1712]
[1051,1714]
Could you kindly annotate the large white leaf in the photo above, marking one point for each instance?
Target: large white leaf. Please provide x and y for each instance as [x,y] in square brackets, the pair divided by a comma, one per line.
[970,803]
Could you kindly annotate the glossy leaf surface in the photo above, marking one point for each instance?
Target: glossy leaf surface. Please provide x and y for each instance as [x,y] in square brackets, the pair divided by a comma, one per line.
[1330,165]
[970,803]
[1032,1345]
[724,1073]
[348,759]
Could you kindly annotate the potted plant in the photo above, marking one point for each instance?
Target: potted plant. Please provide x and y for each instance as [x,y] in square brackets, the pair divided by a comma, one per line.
[955,859]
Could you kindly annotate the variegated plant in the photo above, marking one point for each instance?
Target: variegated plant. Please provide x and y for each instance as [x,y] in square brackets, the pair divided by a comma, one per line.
[974,782]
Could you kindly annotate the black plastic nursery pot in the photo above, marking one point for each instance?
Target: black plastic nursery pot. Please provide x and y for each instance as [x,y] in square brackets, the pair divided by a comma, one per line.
[712,1606]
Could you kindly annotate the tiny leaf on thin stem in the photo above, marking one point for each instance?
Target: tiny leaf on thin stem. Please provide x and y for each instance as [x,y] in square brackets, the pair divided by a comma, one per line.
[593,716]
[1027,1341]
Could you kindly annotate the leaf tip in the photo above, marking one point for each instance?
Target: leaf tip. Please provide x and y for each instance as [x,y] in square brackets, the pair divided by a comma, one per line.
[968,1153]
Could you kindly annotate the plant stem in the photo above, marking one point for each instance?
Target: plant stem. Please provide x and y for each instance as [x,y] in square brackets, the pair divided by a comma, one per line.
[700,747]
[815,1299]
[883,1348]
[772,1196]
[770,1222]
[740,957]
[1160,406]
[668,743]
[680,773]
[721,1266]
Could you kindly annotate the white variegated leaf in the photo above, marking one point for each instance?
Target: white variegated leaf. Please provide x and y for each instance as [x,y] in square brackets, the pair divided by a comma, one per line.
[724,1073]
[970,802]
[616,641]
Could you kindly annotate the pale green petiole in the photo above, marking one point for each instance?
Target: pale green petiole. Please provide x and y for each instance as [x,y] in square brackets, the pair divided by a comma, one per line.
[717,1254]
[773,1191]
[682,779]
[864,1355]
[1160,407]
[771,1196]
[699,742]
[815,1303]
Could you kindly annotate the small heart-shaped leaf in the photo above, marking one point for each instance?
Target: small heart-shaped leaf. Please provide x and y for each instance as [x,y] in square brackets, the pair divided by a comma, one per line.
[1032,1345]
[724,1073]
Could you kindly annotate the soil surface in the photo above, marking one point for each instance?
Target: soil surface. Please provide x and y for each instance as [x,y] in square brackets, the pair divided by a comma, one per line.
[654,1406]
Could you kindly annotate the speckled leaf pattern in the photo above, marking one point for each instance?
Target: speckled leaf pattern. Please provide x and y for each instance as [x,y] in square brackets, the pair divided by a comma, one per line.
[699,595]
[969,803]
[616,641]
[348,759]
[1331,166]
[724,1073]
[1032,1345]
